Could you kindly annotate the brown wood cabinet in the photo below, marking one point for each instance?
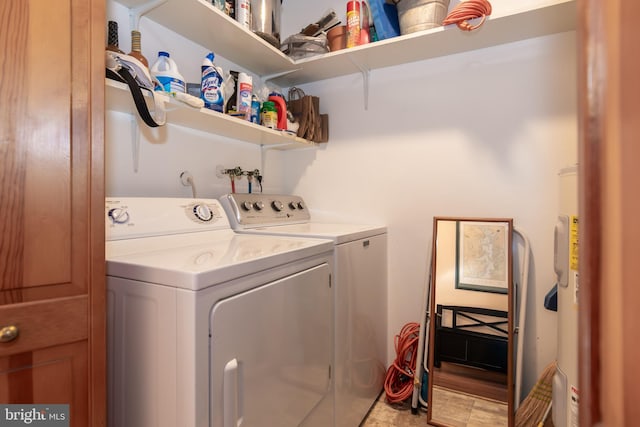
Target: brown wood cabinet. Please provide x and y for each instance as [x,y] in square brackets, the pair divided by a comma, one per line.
[52,284]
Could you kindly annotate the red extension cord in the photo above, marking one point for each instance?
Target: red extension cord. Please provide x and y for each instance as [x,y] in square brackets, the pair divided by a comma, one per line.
[467,10]
[398,384]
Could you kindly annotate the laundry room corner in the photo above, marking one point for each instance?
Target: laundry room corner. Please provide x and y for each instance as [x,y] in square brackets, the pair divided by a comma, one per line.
[475,134]
[478,134]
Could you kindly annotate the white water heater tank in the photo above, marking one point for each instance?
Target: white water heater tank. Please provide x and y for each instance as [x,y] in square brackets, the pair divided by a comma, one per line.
[565,381]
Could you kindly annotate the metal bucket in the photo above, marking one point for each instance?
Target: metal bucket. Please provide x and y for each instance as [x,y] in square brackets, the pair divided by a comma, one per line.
[265,20]
[417,15]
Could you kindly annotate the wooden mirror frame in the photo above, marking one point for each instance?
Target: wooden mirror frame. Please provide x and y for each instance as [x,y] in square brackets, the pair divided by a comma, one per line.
[510,315]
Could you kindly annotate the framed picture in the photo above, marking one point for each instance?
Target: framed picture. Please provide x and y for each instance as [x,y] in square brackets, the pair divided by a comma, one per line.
[482,256]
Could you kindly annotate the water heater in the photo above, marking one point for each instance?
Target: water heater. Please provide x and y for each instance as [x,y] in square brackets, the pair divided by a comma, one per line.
[565,381]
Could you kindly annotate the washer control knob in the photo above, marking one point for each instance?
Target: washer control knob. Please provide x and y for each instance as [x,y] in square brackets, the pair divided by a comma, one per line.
[300,205]
[277,205]
[259,205]
[119,215]
[293,206]
[203,212]
[246,206]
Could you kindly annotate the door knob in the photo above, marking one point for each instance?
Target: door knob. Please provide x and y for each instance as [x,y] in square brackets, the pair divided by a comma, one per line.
[8,333]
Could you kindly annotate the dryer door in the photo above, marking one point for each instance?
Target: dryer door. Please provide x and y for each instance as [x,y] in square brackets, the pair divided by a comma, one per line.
[271,352]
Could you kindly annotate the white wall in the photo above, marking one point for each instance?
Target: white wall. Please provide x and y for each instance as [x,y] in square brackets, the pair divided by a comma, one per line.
[478,134]
[167,151]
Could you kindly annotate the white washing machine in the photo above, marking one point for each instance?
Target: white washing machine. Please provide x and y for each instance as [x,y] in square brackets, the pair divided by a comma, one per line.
[360,277]
[207,327]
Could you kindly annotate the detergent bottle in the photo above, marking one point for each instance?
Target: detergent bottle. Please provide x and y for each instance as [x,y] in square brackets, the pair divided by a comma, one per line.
[166,71]
[281,108]
[210,87]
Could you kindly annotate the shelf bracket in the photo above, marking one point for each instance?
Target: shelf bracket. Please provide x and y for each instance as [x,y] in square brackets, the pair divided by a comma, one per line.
[135,143]
[268,77]
[278,147]
[264,148]
[136,13]
[365,80]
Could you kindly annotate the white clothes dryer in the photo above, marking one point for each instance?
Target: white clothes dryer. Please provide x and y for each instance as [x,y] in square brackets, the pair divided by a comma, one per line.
[207,327]
[360,279]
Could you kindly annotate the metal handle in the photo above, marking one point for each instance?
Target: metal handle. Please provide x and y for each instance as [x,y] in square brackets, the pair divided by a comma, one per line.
[9,333]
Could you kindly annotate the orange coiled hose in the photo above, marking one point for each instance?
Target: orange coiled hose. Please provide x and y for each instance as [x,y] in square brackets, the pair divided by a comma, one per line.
[470,9]
[398,383]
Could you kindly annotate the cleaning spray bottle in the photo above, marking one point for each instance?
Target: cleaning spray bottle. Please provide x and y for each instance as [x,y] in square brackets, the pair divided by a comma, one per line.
[211,83]
[245,91]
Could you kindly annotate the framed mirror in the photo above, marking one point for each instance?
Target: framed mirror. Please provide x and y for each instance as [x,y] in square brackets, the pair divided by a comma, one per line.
[470,359]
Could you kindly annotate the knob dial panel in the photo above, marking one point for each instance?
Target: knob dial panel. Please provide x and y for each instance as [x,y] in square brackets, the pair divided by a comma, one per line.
[203,212]
[119,215]
[260,209]
[277,205]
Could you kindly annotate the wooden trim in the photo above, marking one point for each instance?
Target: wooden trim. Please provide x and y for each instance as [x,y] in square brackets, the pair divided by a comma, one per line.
[97,366]
[511,309]
[590,93]
[609,105]
[629,238]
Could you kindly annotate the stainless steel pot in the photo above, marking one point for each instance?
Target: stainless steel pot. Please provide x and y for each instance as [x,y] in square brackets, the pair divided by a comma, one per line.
[265,20]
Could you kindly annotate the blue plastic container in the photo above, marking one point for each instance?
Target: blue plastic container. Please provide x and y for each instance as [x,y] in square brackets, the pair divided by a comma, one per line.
[385,19]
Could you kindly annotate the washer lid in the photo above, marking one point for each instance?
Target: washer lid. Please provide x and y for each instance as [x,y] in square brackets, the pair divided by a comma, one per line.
[199,260]
[339,233]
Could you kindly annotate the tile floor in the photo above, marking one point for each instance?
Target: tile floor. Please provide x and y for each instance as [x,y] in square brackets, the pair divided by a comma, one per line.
[383,414]
[457,409]
[465,411]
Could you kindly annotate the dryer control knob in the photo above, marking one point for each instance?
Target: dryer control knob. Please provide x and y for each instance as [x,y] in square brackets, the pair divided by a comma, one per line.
[300,205]
[119,216]
[246,206]
[277,205]
[293,206]
[258,205]
[203,212]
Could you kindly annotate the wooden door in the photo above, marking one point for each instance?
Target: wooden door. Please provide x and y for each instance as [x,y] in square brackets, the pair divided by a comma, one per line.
[52,286]
[609,376]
